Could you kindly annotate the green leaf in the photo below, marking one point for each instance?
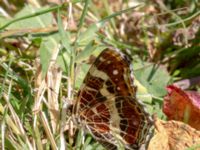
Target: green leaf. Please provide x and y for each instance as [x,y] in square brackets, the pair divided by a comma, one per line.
[142,93]
[84,13]
[81,74]
[88,35]
[86,52]
[65,36]
[39,21]
[89,49]
[63,60]
[153,78]
[48,45]
[3,21]
[108,18]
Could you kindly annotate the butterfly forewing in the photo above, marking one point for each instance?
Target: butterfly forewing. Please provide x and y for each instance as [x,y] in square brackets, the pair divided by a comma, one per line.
[107,106]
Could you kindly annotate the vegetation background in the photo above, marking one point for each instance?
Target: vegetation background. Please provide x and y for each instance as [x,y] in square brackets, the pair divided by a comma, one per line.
[46,48]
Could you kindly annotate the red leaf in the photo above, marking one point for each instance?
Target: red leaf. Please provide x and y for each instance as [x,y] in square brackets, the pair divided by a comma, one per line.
[182,105]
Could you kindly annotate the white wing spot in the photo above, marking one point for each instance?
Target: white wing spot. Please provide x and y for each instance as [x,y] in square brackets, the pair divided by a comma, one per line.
[118,88]
[101,59]
[135,123]
[115,72]
[108,62]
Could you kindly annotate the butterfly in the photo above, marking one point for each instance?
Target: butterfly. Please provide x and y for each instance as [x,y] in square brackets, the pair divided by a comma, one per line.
[107,106]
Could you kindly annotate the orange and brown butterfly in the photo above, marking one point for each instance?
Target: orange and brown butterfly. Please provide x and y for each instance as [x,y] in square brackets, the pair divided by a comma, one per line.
[107,106]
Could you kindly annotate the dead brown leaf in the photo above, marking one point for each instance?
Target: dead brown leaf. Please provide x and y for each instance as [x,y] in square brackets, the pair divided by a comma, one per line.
[174,135]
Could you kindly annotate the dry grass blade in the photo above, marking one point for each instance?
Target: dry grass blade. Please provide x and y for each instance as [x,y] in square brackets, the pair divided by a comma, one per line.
[53,82]
[17,121]
[47,129]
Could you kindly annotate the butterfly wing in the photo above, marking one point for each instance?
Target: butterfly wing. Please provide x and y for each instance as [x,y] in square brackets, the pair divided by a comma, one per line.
[107,105]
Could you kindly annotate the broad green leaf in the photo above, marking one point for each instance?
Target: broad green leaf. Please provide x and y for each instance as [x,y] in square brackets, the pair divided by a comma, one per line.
[156,109]
[32,22]
[84,55]
[88,50]
[88,35]
[153,78]
[142,93]
[81,74]
[79,139]
[63,60]
[48,45]
[3,21]
[87,142]
[65,35]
